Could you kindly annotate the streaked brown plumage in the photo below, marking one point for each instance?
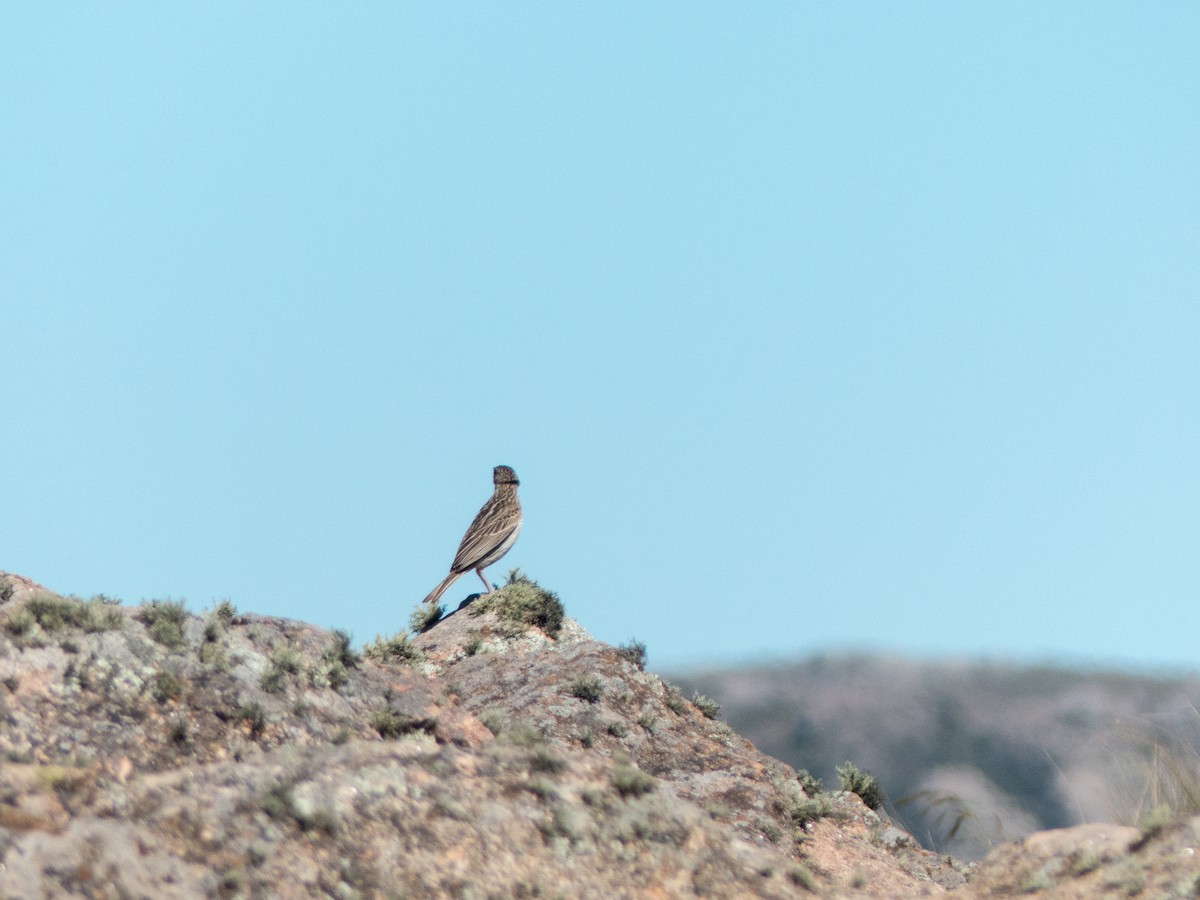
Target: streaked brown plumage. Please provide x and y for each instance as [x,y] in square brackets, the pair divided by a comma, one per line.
[490,536]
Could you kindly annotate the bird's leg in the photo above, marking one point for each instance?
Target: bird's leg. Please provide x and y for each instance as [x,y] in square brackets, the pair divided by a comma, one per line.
[487,588]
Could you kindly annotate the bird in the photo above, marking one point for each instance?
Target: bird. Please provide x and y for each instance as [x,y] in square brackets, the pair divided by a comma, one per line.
[491,535]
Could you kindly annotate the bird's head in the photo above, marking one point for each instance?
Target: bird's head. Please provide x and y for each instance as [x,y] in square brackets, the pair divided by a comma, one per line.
[504,475]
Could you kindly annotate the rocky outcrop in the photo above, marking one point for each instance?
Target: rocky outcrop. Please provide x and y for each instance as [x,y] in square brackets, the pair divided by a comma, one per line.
[501,752]
[151,752]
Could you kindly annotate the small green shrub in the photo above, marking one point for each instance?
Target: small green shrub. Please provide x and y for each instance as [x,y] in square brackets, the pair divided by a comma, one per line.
[21,623]
[55,613]
[273,680]
[524,602]
[52,613]
[810,783]
[224,613]
[674,700]
[278,801]
[391,724]
[801,799]
[810,809]
[770,830]
[708,707]
[337,659]
[102,614]
[287,658]
[179,731]
[425,617]
[396,648]
[164,620]
[630,781]
[254,716]
[1084,861]
[853,779]
[212,648]
[635,652]
[285,662]
[493,719]
[586,687]
[165,686]
[522,734]
[544,760]
[473,643]
[341,650]
[801,877]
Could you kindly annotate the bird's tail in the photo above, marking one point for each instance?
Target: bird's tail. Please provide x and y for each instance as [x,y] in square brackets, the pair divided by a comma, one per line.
[436,593]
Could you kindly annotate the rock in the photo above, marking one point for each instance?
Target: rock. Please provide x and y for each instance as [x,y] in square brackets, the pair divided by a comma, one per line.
[149,752]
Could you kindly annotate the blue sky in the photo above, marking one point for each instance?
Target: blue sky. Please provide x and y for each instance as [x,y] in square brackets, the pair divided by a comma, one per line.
[806,327]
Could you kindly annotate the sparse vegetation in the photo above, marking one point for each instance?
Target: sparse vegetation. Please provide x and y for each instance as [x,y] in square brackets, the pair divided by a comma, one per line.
[179,731]
[21,624]
[810,809]
[254,716]
[674,699]
[1170,782]
[164,620]
[522,734]
[564,822]
[6,591]
[391,724]
[165,686]
[801,799]
[544,760]
[770,831]
[524,602]
[586,687]
[395,649]
[473,643]
[630,781]
[542,788]
[285,662]
[493,719]
[277,801]
[810,784]
[1084,861]
[337,659]
[707,706]
[635,652]
[273,680]
[1154,823]
[801,877]
[853,779]
[46,614]
[212,647]
[224,612]
[425,617]
[55,613]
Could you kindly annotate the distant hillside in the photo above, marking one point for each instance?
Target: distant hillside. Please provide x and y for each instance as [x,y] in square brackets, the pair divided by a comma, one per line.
[989,752]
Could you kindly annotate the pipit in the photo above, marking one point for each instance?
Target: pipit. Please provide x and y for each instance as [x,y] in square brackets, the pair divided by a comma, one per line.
[490,536]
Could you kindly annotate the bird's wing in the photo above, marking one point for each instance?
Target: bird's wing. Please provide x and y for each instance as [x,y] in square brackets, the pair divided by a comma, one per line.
[492,528]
